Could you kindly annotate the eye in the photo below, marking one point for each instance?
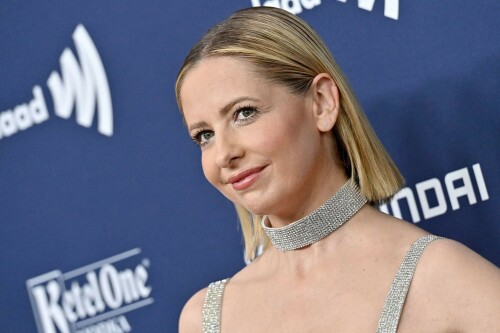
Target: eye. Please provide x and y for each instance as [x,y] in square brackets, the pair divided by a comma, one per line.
[202,137]
[244,113]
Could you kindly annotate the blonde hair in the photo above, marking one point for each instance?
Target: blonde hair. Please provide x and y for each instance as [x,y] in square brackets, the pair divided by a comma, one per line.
[286,50]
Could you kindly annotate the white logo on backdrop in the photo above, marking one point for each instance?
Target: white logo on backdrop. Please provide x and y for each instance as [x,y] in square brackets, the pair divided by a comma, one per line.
[83,87]
[391,7]
[433,188]
[93,298]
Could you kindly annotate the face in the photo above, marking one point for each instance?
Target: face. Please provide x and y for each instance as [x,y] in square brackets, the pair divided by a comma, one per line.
[260,144]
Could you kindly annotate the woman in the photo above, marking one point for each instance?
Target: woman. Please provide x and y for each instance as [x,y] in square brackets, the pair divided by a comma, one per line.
[283,137]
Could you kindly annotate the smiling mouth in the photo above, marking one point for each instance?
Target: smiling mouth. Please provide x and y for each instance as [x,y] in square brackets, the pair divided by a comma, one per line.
[245,179]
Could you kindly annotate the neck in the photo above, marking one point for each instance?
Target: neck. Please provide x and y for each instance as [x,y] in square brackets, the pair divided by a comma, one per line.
[304,262]
[306,204]
[320,223]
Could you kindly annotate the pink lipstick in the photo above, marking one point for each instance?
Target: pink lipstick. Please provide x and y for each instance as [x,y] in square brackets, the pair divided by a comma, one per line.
[245,179]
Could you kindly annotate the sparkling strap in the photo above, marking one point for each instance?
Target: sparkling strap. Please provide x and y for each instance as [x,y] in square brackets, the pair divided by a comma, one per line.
[212,307]
[320,223]
[395,300]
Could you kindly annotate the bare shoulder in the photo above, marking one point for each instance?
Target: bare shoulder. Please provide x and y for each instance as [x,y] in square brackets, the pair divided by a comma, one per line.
[449,258]
[459,283]
[191,319]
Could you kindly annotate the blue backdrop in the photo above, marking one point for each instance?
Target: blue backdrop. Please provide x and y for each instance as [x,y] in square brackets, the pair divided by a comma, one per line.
[107,224]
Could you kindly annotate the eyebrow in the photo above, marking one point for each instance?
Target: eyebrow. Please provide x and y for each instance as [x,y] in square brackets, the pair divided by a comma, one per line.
[223,112]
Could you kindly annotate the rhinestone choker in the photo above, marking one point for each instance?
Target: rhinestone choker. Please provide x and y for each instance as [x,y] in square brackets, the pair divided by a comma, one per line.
[320,223]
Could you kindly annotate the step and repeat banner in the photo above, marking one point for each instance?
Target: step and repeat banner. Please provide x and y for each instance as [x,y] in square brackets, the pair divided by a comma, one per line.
[107,223]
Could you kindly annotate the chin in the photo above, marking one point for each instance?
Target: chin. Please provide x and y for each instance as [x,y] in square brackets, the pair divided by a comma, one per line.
[256,202]
[257,208]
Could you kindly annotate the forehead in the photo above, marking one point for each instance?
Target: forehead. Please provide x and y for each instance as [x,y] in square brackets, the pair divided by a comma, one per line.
[214,81]
[215,70]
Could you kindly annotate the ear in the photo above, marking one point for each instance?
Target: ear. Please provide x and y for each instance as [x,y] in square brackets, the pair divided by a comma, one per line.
[326,102]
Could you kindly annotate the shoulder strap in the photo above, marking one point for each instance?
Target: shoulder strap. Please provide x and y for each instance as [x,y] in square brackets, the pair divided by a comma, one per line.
[212,307]
[395,300]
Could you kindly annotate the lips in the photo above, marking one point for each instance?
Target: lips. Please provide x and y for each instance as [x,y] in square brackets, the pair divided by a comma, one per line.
[244,179]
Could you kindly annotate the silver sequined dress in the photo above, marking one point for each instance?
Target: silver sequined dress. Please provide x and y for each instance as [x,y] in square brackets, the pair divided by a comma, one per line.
[391,312]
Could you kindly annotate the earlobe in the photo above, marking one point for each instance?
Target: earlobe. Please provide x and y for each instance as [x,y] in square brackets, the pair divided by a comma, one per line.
[326,101]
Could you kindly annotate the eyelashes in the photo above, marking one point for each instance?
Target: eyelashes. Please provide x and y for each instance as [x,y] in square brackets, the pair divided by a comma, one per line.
[243,115]
[201,136]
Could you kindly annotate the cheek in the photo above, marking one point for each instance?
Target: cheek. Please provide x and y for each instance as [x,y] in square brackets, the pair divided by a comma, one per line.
[212,174]
[292,138]
[271,136]
[294,149]
[209,169]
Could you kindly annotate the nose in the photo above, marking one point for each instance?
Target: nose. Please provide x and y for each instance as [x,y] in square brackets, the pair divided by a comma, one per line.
[228,149]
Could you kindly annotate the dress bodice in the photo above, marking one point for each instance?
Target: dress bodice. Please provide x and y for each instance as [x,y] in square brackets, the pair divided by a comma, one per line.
[391,311]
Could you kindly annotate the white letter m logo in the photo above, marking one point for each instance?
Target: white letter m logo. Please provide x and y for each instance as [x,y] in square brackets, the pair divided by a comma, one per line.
[82,85]
[391,9]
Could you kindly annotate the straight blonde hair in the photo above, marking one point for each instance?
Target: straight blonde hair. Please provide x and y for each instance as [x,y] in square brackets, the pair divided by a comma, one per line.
[286,50]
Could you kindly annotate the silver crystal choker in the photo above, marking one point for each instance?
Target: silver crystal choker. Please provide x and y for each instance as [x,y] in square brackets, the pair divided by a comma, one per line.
[320,223]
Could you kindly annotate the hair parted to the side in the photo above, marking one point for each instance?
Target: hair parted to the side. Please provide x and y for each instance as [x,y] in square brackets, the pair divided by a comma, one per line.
[286,50]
